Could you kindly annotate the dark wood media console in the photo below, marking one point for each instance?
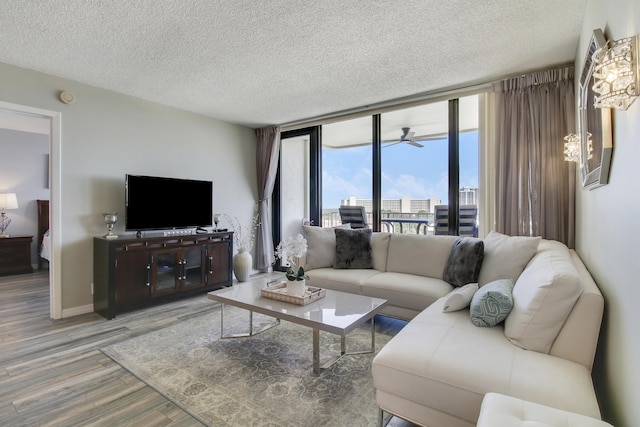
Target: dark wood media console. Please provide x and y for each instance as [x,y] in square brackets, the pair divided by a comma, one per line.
[130,273]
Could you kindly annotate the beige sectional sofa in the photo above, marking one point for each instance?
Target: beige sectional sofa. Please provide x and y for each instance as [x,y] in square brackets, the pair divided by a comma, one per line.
[438,368]
[407,270]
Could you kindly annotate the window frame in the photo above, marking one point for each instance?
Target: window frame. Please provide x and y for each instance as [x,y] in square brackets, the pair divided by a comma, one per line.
[315,167]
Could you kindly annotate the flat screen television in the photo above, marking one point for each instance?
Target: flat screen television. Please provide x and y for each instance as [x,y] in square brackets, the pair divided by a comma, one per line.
[161,203]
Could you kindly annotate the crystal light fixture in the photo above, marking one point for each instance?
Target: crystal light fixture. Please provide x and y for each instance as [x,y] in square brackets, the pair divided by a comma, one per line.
[616,76]
[7,201]
[572,147]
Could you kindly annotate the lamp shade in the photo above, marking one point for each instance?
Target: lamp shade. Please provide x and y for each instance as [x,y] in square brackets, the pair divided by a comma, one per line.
[8,201]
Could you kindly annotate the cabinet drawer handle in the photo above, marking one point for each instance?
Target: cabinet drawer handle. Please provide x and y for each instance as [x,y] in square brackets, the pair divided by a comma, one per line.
[210,265]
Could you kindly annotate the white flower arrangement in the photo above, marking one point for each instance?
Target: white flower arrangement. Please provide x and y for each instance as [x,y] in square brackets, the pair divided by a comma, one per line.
[243,238]
[290,251]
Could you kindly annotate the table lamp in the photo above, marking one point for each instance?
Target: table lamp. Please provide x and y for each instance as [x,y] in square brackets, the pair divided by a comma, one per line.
[7,201]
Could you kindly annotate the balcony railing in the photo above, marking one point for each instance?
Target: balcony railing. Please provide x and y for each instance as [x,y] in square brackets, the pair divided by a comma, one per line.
[393,222]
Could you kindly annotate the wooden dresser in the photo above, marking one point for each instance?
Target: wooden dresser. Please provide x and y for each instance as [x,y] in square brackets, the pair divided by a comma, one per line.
[15,255]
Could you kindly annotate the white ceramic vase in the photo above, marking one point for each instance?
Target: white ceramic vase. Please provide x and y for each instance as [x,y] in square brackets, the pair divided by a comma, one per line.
[242,263]
[296,288]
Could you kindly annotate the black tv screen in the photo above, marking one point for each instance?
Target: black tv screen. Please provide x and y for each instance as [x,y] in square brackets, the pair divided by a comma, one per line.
[158,203]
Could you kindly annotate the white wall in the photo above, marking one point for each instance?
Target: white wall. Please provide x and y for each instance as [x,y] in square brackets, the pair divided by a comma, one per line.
[105,135]
[607,237]
[24,171]
[294,159]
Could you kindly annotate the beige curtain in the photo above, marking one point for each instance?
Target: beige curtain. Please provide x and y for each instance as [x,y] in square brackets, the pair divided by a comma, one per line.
[535,187]
[267,154]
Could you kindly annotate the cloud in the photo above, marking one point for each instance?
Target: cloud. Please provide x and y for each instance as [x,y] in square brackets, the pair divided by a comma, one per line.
[406,185]
[335,188]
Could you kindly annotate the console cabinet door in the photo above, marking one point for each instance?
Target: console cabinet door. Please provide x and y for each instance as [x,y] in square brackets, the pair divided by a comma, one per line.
[132,278]
[166,271]
[219,260]
[193,267]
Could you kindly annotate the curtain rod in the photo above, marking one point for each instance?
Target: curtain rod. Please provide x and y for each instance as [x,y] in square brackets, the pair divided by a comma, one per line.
[385,106]
[404,102]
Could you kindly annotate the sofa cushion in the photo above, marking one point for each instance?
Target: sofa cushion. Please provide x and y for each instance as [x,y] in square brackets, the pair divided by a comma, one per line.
[459,298]
[405,290]
[379,250]
[506,411]
[543,297]
[340,280]
[321,246]
[442,361]
[418,254]
[464,262]
[505,257]
[492,303]
[353,248]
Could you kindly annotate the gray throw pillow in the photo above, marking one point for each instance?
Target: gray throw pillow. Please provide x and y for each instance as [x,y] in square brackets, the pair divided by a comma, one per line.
[464,262]
[321,246]
[492,303]
[353,248]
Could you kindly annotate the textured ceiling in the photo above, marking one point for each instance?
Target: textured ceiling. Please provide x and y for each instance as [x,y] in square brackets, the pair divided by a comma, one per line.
[272,62]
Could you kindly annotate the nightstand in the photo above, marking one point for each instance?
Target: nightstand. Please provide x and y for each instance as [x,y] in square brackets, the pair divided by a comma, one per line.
[15,255]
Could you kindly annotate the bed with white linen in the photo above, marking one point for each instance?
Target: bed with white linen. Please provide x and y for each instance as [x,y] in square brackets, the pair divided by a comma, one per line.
[44,240]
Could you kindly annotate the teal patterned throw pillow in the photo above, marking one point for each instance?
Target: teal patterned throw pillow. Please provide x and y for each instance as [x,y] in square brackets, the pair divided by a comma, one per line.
[492,303]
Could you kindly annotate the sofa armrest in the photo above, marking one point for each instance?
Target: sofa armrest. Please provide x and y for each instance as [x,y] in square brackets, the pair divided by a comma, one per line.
[578,338]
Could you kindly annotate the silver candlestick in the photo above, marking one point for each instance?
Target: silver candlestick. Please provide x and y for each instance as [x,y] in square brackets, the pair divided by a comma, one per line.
[110,219]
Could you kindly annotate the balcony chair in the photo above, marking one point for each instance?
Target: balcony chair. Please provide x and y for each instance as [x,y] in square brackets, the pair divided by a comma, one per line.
[354,215]
[468,220]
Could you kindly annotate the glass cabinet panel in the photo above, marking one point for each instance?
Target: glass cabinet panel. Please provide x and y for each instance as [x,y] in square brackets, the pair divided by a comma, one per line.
[192,265]
[166,271]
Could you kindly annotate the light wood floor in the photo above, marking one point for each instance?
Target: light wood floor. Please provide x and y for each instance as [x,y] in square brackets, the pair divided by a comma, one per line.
[52,372]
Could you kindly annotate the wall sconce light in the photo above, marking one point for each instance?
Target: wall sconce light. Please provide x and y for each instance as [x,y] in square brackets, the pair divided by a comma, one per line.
[7,201]
[616,75]
[572,147]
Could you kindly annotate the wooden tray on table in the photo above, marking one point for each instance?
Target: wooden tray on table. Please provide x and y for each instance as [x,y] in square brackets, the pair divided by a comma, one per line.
[279,293]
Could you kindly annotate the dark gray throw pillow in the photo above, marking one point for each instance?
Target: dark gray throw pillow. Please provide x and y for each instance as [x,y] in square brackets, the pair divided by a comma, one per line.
[465,260]
[353,248]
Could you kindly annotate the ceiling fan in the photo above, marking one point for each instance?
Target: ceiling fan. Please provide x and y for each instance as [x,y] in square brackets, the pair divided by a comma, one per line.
[407,137]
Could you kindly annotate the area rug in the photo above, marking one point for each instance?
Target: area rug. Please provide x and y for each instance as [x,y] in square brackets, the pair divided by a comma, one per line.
[263,380]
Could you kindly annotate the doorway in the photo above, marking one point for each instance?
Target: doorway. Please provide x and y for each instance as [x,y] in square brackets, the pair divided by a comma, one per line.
[55,294]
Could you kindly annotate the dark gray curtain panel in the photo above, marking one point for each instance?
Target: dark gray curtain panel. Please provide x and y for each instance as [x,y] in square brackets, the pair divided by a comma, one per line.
[535,187]
[267,154]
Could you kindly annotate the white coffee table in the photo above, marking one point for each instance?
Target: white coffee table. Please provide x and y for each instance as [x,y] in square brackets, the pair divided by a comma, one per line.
[338,312]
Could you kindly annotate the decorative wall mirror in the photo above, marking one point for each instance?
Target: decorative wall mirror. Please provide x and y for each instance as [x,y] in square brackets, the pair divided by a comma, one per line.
[594,124]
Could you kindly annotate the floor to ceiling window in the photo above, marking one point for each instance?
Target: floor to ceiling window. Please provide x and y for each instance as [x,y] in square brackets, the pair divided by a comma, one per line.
[405,163]
[295,196]
[414,166]
[346,168]
[294,184]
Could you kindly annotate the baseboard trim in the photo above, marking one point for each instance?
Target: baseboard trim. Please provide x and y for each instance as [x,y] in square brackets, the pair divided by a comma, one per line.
[76,311]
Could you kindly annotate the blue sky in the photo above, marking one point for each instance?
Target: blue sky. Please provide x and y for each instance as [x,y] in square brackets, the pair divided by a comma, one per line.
[418,173]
